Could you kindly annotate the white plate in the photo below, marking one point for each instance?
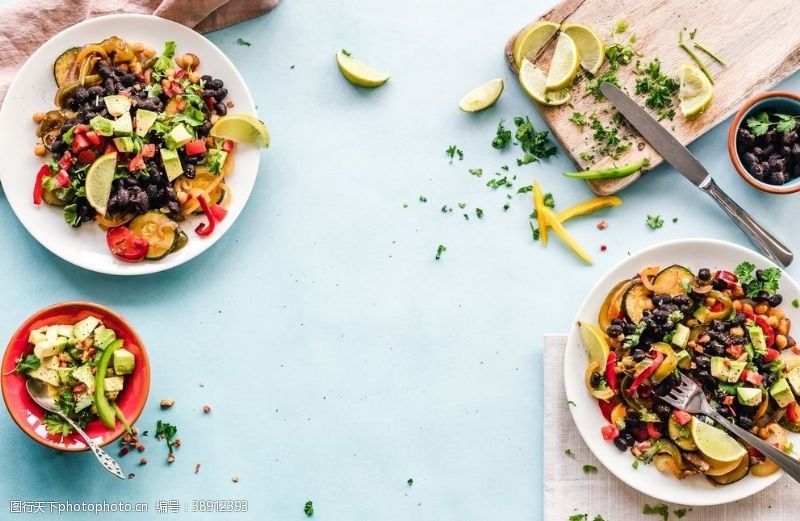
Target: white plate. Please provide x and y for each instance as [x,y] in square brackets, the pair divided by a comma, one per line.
[33,90]
[694,254]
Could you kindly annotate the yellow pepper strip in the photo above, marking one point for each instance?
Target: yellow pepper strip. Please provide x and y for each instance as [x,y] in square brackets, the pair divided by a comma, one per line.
[586,207]
[538,205]
[552,220]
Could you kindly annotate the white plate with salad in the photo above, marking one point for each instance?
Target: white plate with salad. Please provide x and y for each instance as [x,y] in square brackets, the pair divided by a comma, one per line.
[131,144]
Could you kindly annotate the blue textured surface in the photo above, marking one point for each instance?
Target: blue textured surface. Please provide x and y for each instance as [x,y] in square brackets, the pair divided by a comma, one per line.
[339,357]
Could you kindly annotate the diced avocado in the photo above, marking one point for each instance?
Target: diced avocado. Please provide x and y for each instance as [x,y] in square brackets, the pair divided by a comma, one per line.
[680,337]
[84,374]
[749,395]
[725,369]
[123,125]
[781,393]
[47,348]
[64,330]
[684,359]
[103,337]
[794,380]
[757,338]
[124,144]
[65,374]
[144,121]
[51,362]
[123,361]
[113,385]
[101,125]
[51,334]
[37,335]
[215,159]
[117,105]
[177,137]
[700,313]
[748,348]
[46,375]
[172,164]
[83,401]
[84,328]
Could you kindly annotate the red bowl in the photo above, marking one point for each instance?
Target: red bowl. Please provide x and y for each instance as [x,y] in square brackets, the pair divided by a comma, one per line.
[27,414]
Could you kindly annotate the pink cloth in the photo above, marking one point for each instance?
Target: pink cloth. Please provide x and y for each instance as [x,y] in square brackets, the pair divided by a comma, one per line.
[26,25]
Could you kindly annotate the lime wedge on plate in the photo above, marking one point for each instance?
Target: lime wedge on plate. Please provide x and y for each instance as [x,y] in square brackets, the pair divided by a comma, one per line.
[595,343]
[533,80]
[531,39]
[482,96]
[715,443]
[241,128]
[359,74]
[695,91]
[98,181]
[564,66]
[591,49]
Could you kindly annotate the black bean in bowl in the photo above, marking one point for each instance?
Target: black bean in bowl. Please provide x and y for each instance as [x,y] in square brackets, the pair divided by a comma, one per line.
[768,144]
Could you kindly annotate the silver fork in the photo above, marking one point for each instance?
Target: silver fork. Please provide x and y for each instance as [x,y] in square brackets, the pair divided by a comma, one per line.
[688,396]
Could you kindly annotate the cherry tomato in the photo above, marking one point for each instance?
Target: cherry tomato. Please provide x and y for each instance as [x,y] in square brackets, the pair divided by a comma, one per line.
[126,245]
[609,432]
[86,156]
[653,431]
[682,417]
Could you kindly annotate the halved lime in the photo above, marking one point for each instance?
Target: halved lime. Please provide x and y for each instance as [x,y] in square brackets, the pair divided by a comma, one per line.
[533,80]
[531,39]
[695,91]
[359,74]
[98,181]
[564,66]
[595,343]
[482,96]
[715,443]
[241,128]
[591,48]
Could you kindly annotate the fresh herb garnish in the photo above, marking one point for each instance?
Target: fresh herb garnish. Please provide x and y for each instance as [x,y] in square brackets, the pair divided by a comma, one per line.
[30,363]
[767,281]
[548,200]
[660,510]
[423,199]
[71,216]
[578,119]
[569,453]
[659,88]
[345,52]
[503,137]
[632,340]
[578,517]
[760,123]
[439,250]
[479,213]
[309,508]
[680,512]
[166,431]
[242,41]
[56,426]
[410,481]
[477,172]
[452,151]
[589,469]
[654,221]
[535,144]
[796,303]
[525,189]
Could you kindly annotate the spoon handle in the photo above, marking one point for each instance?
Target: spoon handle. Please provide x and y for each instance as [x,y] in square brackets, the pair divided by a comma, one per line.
[102,456]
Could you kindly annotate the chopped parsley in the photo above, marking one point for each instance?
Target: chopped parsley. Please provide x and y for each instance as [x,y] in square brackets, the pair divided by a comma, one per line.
[796,303]
[503,137]
[423,199]
[452,151]
[660,510]
[242,41]
[494,184]
[477,172]
[570,402]
[549,201]
[56,426]
[164,61]
[439,250]
[506,207]
[760,123]
[535,144]
[29,363]
[345,52]
[753,283]
[680,512]
[588,469]
[578,517]
[578,119]
[569,453]
[659,88]
[654,221]
[410,481]
[166,431]
[525,189]
[534,234]
[608,141]
[309,508]
[479,213]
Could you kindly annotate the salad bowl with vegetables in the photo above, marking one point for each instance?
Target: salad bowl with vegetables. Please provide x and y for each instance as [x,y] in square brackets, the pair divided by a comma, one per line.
[141,151]
[715,312]
[93,365]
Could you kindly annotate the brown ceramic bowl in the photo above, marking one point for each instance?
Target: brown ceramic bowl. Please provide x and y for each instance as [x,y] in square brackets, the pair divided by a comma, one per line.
[779,101]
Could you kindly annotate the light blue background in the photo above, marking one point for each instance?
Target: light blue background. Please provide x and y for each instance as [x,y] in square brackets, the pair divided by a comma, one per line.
[339,357]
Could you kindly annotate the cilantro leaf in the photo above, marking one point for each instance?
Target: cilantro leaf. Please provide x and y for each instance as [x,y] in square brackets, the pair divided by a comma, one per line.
[439,250]
[30,363]
[309,508]
[655,221]
[166,431]
[503,137]
[569,453]
[660,510]
[242,41]
[587,469]
[71,216]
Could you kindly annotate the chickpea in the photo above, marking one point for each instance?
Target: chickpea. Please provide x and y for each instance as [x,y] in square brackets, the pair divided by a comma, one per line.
[772,321]
[182,197]
[38,117]
[783,326]
[710,301]
[148,52]
[214,119]
[191,61]
[747,308]
[761,308]
[39,150]
[170,73]
[781,341]
[737,305]
[164,83]
[137,47]
[136,67]
[179,61]
[776,312]
[194,77]
[737,331]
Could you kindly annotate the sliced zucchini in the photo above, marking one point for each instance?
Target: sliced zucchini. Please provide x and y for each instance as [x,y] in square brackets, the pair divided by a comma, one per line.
[50,197]
[635,301]
[680,435]
[611,305]
[180,241]
[735,475]
[158,230]
[672,281]
[65,69]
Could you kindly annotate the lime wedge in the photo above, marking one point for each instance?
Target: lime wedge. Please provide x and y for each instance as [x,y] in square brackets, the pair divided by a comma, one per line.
[591,48]
[482,96]
[241,128]
[98,181]
[531,39]
[359,74]
[533,80]
[564,66]
[715,443]
[695,91]
[595,343]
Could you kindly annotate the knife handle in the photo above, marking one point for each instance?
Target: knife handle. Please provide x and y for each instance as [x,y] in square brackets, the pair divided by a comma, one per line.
[769,244]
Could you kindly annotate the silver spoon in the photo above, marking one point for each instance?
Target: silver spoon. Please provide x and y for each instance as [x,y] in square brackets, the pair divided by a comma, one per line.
[38,392]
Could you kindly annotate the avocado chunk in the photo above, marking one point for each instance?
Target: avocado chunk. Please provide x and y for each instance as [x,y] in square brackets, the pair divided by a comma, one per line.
[701,313]
[178,137]
[781,393]
[123,125]
[101,125]
[684,359]
[794,380]
[124,361]
[82,329]
[84,375]
[113,385]
[124,144]
[144,121]
[172,164]
[103,337]
[65,373]
[750,396]
[84,401]
[215,160]
[117,105]
[726,370]
[681,336]
[46,374]
[47,348]
[757,338]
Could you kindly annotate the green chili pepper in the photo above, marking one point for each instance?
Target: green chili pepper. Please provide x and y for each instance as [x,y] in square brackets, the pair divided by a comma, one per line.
[610,173]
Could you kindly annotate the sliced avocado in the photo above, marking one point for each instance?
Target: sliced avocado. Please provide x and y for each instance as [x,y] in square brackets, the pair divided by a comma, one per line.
[177,137]
[748,348]
[103,337]
[781,393]
[144,121]
[757,338]
[49,348]
[37,335]
[123,361]
[725,369]
[124,144]
[750,396]
[84,328]
[794,380]
[101,125]
[215,159]
[113,385]
[84,401]
[684,359]
[65,374]
[172,164]
[680,337]
[123,125]
[84,374]
[46,375]
[117,105]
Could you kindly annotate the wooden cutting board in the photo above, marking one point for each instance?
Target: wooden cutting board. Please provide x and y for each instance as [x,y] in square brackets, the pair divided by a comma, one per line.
[759,41]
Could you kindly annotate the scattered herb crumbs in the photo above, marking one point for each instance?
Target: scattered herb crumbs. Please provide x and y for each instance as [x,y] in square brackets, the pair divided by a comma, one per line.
[405,205]
[477,172]
[549,200]
[506,207]
[674,219]
[452,151]
[569,453]
[621,27]
[635,464]
[760,123]
[680,512]
[587,469]
[503,137]
[593,87]
[534,231]
[292,67]
[660,510]
[446,209]
[578,517]
[655,221]
[504,167]
[535,144]
[692,33]
[479,214]
[309,508]
[345,52]
[578,119]
[796,303]
[410,481]
[242,41]
[423,199]
[439,250]
[166,431]
[462,205]
[570,402]
[494,184]
[659,88]
[29,363]
[466,217]
[586,156]
[525,189]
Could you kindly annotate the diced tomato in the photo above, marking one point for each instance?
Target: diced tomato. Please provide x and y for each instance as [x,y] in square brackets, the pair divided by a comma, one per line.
[607,406]
[219,214]
[180,105]
[728,400]
[149,150]
[682,417]
[640,434]
[643,445]
[137,163]
[752,376]
[717,307]
[653,431]
[79,142]
[80,388]
[126,245]
[66,160]
[110,149]
[62,179]
[227,146]
[609,432]
[772,354]
[793,412]
[87,157]
[728,277]
[81,129]
[37,187]
[195,147]
[735,350]
[94,138]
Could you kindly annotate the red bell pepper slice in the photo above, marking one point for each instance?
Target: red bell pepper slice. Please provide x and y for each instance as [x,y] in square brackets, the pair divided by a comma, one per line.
[87,156]
[195,147]
[218,212]
[769,334]
[752,376]
[202,229]
[717,307]
[228,145]
[793,412]
[609,432]
[94,138]
[611,371]
[126,245]
[66,161]
[735,350]
[607,406]
[653,431]
[644,375]
[728,277]
[137,163]
[38,189]
[772,354]
[682,417]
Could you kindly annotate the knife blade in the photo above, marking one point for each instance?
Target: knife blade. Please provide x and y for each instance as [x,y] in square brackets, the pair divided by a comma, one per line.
[684,162]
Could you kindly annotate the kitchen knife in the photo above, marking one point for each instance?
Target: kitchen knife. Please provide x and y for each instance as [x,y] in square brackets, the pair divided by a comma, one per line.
[684,162]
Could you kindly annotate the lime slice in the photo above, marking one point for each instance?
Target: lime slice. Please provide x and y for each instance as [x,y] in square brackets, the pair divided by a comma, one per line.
[591,49]
[564,66]
[482,96]
[695,91]
[595,343]
[715,443]
[531,39]
[359,74]
[98,181]
[241,128]
[533,80]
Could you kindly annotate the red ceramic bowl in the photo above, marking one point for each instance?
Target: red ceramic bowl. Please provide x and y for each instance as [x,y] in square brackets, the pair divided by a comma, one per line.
[27,414]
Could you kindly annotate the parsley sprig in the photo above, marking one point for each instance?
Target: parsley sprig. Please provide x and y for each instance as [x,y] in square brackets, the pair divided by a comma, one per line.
[754,282]
[761,122]
[166,431]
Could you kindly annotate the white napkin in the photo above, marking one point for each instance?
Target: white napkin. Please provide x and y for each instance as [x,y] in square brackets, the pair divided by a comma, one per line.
[568,490]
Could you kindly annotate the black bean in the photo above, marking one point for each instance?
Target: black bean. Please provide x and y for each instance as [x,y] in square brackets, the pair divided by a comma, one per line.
[702,361]
[188,171]
[775,300]
[222,93]
[620,444]
[745,137]
[738,319]
[221,109]
[614,331]
[638,355]
[745,422]
[750,159]
[659,300]
[629,328]
[762,296]
[206,78]
[776,178]
[758,171]
[216,84]
[58,146]
[719,284]
[209,93]
[142,201]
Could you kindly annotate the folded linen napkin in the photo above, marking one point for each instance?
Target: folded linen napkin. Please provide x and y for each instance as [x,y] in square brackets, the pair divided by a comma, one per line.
[568,490]
[26,25]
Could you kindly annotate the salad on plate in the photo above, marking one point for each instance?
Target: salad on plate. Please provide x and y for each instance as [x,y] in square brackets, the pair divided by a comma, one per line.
[727,332]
